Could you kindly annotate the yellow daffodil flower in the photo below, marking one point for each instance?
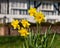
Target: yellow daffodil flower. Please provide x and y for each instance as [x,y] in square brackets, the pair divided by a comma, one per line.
[18,27]
[23,32]
[25,23]
[39,17]
[32,11]
[14,23]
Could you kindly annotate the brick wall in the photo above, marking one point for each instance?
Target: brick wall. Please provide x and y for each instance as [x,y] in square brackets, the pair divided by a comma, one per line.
[6,31]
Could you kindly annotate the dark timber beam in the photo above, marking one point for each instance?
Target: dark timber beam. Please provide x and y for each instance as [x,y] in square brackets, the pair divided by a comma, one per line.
[7,6]
[34,4]
[38,5]
[56,8]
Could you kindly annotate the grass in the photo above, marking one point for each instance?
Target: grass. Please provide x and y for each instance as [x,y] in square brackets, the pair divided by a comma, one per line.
[56,43]
[14,41]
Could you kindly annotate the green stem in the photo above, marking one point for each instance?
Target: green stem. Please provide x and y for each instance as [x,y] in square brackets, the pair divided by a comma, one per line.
[26,43]
[37,28]
[23,45]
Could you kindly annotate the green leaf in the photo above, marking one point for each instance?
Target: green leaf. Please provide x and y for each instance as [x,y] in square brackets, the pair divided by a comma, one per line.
[52,39]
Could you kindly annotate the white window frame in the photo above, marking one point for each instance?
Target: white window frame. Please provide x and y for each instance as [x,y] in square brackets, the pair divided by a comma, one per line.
[47,6]
[19,5]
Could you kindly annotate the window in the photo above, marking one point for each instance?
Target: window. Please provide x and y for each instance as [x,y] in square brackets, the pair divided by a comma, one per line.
[14,11]
[18,7]
[14,4]
[23,12]
[19,4]
[23,5]
[43,6]
[46,6]
[4,6]
[50,5]
[48,12]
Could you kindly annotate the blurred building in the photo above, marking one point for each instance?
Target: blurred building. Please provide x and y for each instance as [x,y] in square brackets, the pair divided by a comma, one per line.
[18,9]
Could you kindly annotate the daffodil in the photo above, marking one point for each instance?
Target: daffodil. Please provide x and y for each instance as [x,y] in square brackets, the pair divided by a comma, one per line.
[14,23]
[23,32]
[18,26]
[32,11]
[25,23]
[39,17]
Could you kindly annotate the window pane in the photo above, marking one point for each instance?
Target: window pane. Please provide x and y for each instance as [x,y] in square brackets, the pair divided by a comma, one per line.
[47,5]
[3,8]
[43,6]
